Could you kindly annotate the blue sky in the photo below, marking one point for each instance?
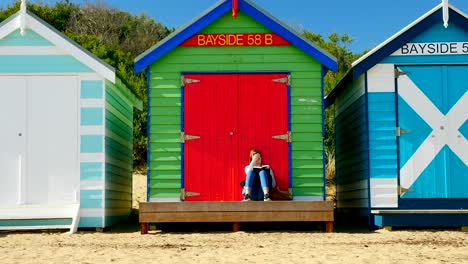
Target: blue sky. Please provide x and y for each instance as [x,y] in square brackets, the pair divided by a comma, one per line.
[369,22]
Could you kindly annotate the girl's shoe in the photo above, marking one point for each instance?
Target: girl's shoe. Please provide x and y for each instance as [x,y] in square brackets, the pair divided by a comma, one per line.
[246,197]
[266,197]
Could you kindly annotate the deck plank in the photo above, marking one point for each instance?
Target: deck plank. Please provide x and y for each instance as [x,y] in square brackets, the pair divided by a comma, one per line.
[236,206]
[236,217]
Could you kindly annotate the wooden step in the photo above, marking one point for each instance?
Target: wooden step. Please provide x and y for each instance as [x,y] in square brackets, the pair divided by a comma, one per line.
[40,212]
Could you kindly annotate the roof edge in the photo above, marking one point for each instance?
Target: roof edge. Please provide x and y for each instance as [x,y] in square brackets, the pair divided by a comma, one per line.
[221,8]
[358,69]
[105,66]
[405,29]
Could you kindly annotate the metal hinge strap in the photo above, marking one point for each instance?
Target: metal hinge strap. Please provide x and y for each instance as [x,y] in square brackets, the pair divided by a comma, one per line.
[402,190]
[399,73]
[286,80]
[184,81]
[184,137]
[287,137]
[184,194]
[400,131]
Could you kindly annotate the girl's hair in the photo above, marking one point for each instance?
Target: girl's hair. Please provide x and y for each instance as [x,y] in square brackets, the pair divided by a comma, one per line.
[252,153]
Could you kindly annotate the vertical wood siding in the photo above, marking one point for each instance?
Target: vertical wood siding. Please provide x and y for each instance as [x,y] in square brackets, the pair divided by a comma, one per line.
[165,97]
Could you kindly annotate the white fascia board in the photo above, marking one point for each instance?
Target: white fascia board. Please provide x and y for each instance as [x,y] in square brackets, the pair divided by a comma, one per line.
[9,27]
[65,44]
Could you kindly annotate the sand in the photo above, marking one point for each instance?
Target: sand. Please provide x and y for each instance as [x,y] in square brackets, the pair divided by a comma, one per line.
[270,244]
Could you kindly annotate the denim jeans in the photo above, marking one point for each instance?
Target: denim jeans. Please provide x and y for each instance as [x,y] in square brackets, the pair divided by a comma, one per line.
[256,193]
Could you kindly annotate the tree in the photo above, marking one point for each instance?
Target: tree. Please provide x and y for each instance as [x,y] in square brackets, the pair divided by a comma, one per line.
[114,36]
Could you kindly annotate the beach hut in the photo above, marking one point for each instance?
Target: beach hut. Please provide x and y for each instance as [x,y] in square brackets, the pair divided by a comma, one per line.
[65,133]
[401,130]
[233,79]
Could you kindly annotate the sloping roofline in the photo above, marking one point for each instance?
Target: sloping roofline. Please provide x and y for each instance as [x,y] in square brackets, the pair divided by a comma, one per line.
[386,48]
[60,40]
[221,8]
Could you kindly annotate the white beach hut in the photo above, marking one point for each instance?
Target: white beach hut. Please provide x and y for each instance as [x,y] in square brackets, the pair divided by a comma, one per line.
[65,131]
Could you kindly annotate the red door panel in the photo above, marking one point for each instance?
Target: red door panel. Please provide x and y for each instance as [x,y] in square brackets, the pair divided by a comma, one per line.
[232,113]
[264,115]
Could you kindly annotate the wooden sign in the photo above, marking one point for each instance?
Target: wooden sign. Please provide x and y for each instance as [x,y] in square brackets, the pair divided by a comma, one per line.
[230,40]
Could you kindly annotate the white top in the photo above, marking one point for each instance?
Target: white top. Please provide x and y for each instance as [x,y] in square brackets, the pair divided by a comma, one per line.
[252,165]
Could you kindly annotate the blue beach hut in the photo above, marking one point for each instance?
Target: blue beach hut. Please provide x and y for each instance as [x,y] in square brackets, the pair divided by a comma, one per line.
[401,126]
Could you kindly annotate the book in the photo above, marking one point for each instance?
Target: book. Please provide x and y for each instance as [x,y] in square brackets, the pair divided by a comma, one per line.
[263,167]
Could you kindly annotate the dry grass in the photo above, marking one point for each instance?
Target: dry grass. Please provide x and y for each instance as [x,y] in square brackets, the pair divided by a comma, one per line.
[330,174]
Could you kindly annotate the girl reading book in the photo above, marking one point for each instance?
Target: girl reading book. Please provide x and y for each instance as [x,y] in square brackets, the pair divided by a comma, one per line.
[256,170]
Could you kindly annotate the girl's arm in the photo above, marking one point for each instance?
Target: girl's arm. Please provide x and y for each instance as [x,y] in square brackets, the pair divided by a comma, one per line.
[249,167]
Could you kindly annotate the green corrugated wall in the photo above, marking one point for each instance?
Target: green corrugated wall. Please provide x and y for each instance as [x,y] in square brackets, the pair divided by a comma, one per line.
[165,97]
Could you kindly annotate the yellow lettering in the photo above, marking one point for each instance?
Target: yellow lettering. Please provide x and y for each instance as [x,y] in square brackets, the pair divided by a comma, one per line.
[209,40]
[231,40]
[268,39]
[250,40]
[201,40]
[258,40]
[240,40]
[215,39]
[222,40]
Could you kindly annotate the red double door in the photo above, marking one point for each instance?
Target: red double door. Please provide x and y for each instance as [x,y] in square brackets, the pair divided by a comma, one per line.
[225,116]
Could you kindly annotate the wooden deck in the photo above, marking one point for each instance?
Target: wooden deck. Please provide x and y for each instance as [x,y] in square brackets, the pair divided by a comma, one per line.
[236,212]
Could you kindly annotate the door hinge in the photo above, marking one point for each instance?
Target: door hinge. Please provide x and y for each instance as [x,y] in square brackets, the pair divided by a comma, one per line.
[287,137]
[399,73]
[400,131]
[184,194]
[184,81]
[402,190]
[184,137]
[286,80]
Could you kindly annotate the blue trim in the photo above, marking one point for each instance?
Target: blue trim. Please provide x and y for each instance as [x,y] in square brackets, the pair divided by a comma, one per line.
[91,89]
[324,158]
[289,129]
[245,6]
[371,224]
[91,144]
[36,222]
[182,146]
[148,126]
[418,220]
[288,35]
[435,203]
[178,38]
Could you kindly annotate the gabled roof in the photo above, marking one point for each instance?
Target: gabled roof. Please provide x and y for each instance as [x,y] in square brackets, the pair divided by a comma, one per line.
[220,9]
[54,36]
[389,46]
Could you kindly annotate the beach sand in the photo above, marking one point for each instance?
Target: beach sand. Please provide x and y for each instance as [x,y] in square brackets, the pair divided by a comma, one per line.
[216,244]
